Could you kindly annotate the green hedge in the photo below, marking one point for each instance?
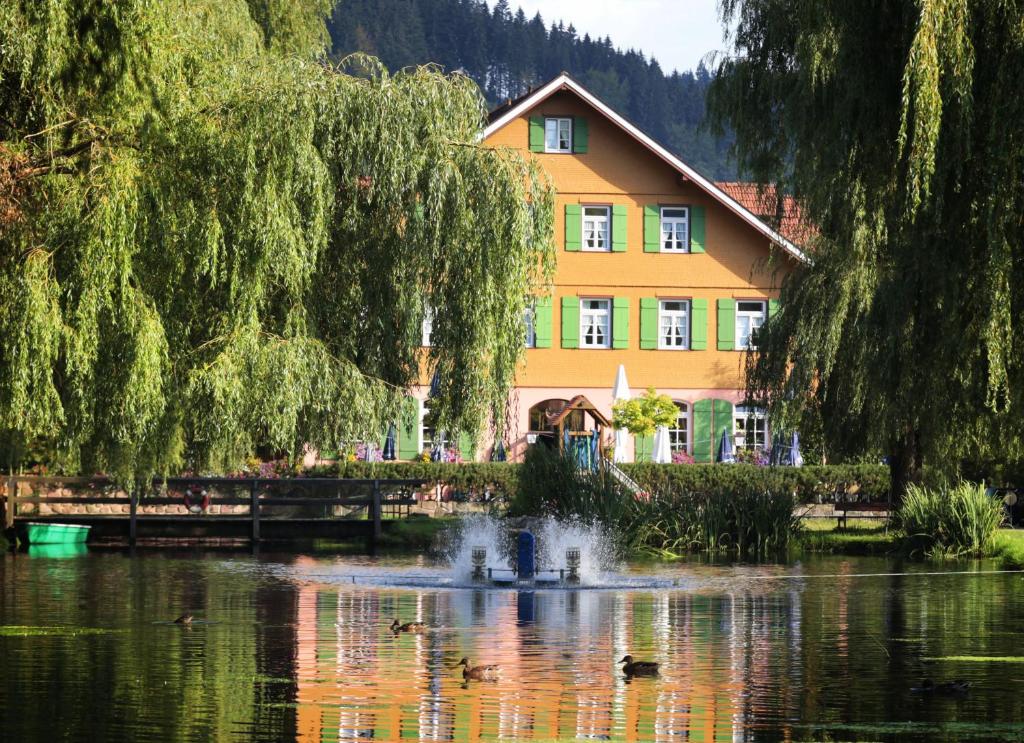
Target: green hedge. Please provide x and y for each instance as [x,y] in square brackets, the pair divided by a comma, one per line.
[471,478]
[813,483]
[810,483]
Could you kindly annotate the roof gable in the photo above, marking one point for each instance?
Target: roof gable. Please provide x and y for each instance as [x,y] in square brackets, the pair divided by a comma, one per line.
[514,109]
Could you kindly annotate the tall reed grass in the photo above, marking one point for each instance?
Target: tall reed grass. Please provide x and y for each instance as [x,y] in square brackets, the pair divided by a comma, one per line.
[950,521]
[748,521]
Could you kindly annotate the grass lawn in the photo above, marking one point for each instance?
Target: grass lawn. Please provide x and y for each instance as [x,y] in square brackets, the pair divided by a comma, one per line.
[1009,547]
[860,537]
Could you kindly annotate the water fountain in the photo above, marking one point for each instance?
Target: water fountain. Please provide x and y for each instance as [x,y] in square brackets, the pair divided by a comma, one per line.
[539,552]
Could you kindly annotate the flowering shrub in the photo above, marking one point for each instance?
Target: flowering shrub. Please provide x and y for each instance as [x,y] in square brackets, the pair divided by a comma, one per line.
[757,457]
[681,457]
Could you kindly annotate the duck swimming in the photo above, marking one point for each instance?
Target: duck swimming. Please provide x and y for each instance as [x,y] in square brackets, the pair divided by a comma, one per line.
[480,673]
[184,619]
[639,667]
[397,627]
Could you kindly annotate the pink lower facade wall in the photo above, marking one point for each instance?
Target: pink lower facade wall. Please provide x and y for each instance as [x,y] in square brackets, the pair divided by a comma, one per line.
[524,398]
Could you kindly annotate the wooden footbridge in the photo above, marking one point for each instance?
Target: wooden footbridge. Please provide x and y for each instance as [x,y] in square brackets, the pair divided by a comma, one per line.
[211,507]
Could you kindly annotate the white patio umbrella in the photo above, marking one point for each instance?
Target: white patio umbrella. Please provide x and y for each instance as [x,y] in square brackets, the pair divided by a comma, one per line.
[621,392]
[662,446]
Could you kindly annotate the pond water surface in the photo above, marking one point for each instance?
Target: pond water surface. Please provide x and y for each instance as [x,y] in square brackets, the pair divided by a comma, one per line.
[288,647]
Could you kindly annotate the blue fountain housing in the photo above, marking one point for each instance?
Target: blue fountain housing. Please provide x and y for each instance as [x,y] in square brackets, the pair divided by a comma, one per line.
[526,568]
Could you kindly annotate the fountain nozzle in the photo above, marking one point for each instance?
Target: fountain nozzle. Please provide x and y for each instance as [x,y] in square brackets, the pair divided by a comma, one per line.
[572,564]
[478,555]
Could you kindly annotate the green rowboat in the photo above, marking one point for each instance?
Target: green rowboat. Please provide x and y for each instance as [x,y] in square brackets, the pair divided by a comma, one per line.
[39,533]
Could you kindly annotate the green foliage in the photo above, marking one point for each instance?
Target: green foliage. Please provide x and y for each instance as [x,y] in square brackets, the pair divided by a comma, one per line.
[759,522]
[211,241]
[550,484]
[959,520]
[905,326]
[500,479]
[810,484]
[642,415]
[506,53]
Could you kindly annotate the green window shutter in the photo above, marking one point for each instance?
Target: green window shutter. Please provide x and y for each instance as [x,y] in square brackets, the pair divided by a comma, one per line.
[580,135]
[573,227]
[620,322]
[652,228]
[773,307]
[542,323]
[697,229]
[536,134]
[467,447]
[648,323]
[702,435]
[726,324]
[409,430]
[570,322]
[643,448]
[619,226]
[699,324]
[722,411]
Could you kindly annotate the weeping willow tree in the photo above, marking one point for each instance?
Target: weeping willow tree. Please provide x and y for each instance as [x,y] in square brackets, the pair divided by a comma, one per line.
[212,240]
[899,127]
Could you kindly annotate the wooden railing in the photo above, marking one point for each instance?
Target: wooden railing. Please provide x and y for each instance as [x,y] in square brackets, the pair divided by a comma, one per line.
[259,495]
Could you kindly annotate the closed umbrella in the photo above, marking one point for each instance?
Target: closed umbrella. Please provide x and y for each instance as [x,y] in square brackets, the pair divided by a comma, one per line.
[435,384]
[725,450]
[388,454]
[498,453]
[796,458]
[621,392]
[662,446]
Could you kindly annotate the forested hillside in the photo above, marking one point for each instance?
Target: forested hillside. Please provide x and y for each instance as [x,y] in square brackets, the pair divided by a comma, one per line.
[506,52]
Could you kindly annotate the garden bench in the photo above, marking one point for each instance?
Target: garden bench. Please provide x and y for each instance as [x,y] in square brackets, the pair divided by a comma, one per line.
[872,509]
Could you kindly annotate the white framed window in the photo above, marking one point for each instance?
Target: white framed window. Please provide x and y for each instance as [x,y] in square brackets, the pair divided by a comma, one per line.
[428,326]
[530,327]
[595,323]
[675,229]
[674,324]
[749,317]
[558,135]
[595,228]
[429,435]
[750,427]
[679,434]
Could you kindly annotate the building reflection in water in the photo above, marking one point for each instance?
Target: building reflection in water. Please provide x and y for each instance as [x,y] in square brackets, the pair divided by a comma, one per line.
[722,660]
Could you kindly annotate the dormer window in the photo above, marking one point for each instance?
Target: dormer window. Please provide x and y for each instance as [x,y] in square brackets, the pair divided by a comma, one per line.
[558,135]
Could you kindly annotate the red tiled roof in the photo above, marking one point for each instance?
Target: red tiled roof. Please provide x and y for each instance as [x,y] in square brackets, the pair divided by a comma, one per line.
[762,202]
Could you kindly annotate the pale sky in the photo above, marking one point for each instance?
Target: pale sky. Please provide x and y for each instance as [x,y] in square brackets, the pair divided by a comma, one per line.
[678,33]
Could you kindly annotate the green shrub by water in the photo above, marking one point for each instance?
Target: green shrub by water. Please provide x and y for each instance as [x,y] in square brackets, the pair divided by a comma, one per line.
[959,520]
[745,521]
[552,485]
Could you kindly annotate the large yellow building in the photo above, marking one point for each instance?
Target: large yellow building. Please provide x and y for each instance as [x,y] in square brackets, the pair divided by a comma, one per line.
[659,270]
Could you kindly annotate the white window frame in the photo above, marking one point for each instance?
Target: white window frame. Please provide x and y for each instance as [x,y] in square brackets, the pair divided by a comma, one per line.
[425,443]
[753,319]
[673,432]
[677,245]
[559,122]
[597,312]
[427,327]
[748,414]
[664,313]
[604,236]
[530,326]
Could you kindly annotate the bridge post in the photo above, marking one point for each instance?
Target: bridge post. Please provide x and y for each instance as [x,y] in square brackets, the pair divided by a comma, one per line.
[254,510]
[133,507]
[376,508]
[12,493]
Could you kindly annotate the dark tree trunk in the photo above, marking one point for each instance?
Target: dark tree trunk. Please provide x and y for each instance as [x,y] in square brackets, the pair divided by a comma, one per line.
[904,465]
